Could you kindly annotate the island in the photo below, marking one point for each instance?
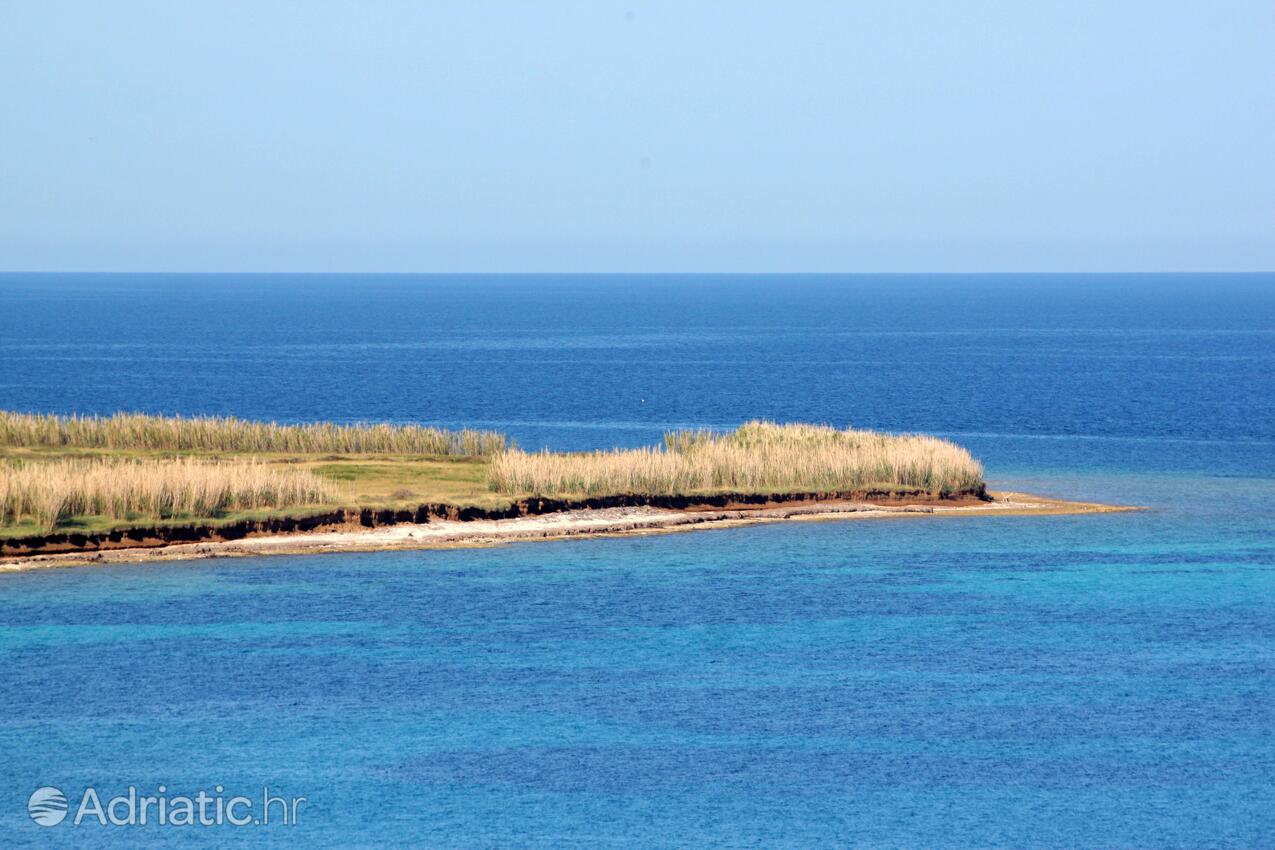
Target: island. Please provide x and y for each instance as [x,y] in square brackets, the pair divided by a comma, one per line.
[90,489]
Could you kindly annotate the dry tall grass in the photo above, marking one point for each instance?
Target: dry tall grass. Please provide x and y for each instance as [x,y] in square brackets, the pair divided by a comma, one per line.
[758,457]
[135,431]
[49,491]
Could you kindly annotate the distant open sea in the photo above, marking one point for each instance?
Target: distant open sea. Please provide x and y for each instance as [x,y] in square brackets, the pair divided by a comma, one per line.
[1012,682]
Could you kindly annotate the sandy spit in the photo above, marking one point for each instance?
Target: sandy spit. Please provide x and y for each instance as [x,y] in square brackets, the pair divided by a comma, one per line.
[608,522]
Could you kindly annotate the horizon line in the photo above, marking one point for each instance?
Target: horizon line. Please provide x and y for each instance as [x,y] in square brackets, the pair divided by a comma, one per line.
[193,272]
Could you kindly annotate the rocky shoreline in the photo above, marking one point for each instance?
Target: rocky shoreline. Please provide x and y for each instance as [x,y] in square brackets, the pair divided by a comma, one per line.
[546,520]
[355,518]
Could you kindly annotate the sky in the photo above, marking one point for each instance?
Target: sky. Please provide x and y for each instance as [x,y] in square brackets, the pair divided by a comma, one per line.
[475,136]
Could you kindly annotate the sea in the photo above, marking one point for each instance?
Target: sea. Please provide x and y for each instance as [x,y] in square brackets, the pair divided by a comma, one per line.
[1100,681]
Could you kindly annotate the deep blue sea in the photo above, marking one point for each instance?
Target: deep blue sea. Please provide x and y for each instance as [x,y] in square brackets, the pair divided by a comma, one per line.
[1013,682]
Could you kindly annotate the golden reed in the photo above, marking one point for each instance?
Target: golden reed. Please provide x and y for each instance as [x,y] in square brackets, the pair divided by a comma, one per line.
[758,457]
[139,432]
[49,491]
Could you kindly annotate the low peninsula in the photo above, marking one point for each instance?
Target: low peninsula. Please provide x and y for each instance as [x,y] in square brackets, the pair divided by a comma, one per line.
[129,487]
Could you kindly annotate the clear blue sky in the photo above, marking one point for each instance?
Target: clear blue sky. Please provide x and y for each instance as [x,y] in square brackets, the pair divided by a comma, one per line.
[598,136]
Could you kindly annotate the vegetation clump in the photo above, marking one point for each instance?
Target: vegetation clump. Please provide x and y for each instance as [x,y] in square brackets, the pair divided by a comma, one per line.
[140,432]
[757,457]
[50,491]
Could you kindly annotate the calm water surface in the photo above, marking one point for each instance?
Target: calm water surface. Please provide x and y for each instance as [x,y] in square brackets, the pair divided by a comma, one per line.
[1104,681]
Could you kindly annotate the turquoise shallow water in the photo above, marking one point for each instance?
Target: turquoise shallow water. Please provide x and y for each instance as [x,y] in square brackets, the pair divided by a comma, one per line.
[1093,681]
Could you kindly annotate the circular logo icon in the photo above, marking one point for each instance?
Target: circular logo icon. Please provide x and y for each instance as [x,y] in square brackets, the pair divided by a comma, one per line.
[47,806]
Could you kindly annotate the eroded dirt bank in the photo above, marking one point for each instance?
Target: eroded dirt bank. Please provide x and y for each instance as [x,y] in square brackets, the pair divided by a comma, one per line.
[561,524]
[355,518]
